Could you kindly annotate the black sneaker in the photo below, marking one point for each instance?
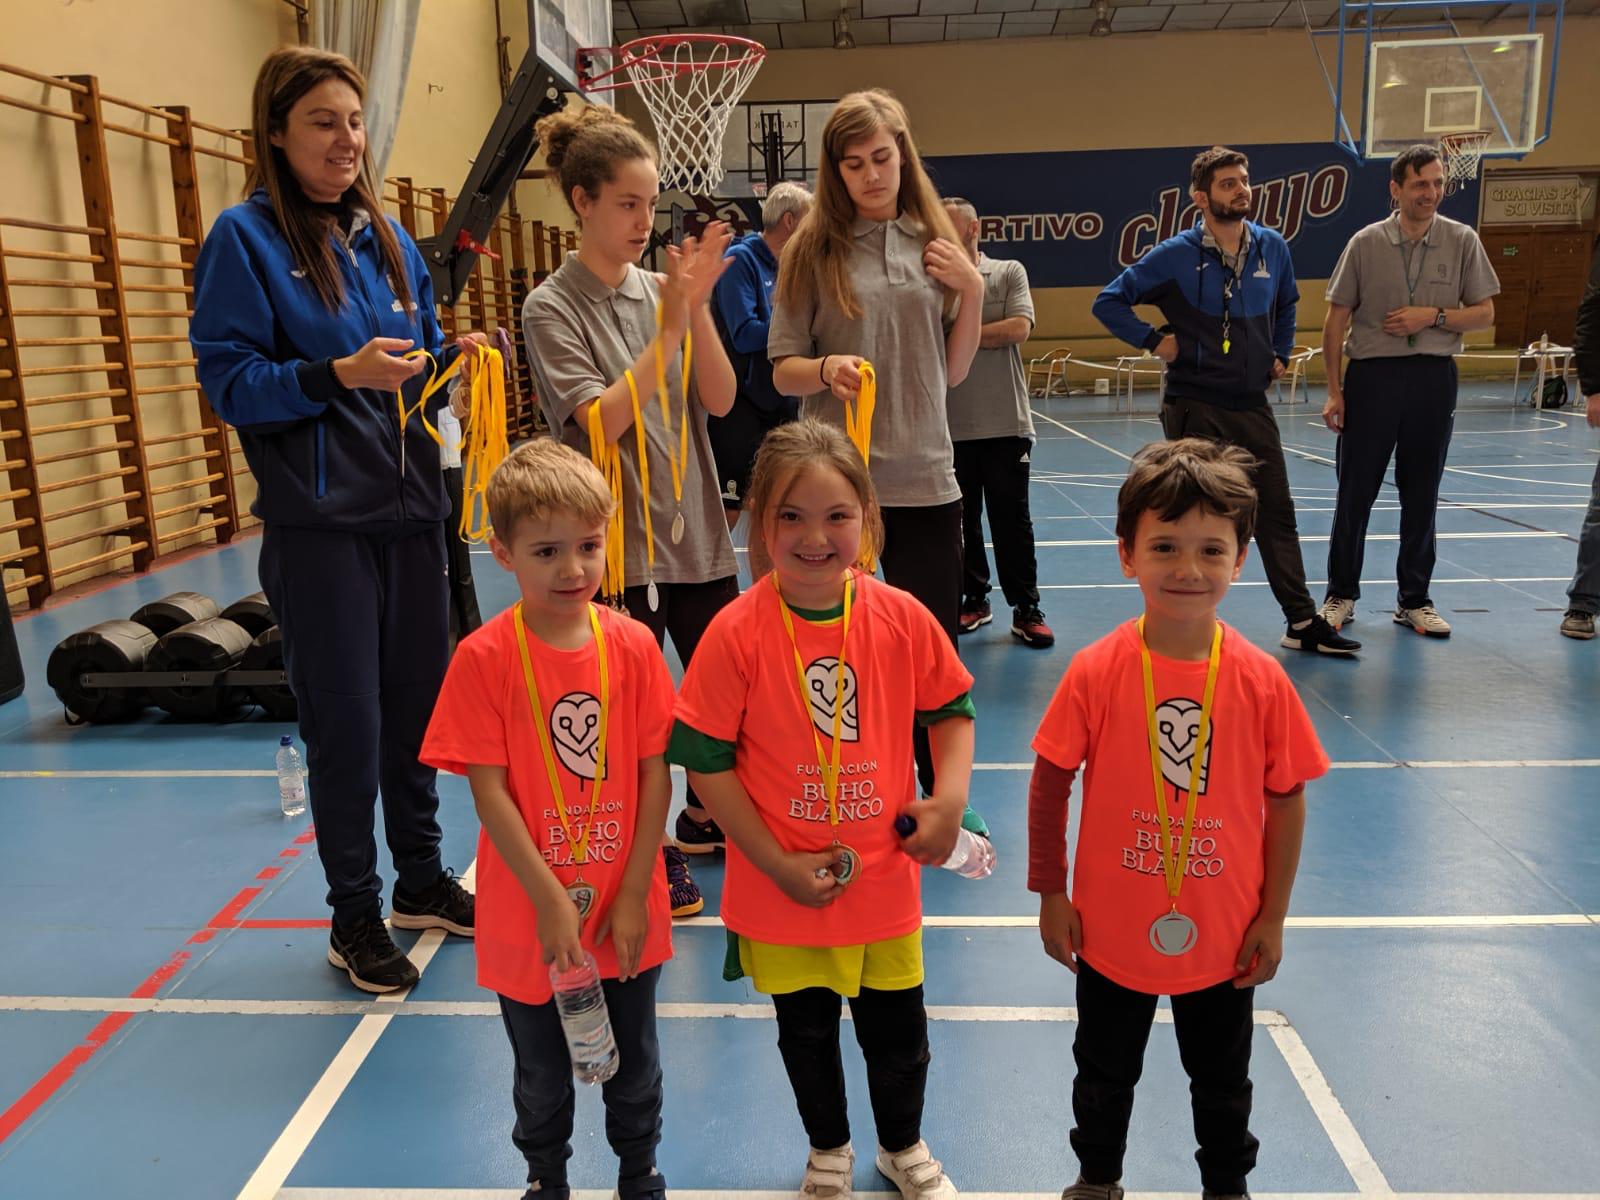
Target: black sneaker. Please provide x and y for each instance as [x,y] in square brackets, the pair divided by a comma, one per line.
[369,956]
[1028,627]
[446,905]
[695,838]
[1320,637]
[685,894]
[975,614]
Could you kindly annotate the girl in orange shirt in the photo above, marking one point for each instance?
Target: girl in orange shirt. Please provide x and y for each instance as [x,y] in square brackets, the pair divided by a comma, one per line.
[795,729]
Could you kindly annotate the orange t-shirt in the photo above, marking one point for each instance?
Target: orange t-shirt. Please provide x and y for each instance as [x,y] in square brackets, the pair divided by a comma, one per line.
[741,688]
[1261,741]
[483,716]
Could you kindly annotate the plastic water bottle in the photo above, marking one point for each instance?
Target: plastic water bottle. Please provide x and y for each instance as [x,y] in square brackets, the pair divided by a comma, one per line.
[584,1020]
[291,778]
[973,857]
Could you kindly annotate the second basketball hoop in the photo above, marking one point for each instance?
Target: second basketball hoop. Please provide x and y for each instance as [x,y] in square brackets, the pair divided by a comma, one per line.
[690,82]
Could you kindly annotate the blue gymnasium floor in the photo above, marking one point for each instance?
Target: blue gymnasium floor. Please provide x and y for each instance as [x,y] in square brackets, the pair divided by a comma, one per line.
[169,1027]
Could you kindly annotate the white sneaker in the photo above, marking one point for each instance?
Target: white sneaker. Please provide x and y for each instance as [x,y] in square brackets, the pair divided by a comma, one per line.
[1425,620]
[828,1174]
[917,1174]
[1337,611]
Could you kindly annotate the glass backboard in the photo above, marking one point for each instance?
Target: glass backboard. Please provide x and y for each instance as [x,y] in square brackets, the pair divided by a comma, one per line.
[560,28]
[1421,89]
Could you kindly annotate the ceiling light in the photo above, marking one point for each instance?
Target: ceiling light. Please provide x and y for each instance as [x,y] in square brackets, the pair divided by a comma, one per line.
[843,39]
[1102,20]
[1501,47]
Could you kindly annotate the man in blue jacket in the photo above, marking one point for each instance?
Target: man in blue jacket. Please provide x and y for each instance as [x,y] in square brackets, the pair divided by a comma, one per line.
[741,306]
[1227,290]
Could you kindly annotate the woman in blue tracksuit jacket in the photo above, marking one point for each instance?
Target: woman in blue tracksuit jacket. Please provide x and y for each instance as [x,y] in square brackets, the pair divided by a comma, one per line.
[304,296]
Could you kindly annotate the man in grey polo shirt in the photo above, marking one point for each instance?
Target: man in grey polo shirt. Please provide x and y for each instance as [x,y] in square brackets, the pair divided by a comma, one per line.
[991,426]
[1405,290]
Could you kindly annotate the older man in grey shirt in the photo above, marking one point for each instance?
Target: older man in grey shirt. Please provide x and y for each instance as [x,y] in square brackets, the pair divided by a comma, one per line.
[1405,290]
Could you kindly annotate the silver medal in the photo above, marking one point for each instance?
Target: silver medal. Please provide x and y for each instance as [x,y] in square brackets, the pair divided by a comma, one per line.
[677,528]
[1173,934]
[652,597]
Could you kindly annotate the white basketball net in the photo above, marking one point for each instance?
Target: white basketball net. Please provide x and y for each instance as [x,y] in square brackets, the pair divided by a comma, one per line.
[1462,153]
[690,97]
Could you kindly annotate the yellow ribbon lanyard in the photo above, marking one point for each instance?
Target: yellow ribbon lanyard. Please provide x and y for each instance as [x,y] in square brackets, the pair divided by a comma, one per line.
[608,458]
[1174,866]
[579,844]
[829,768]
[858,420]
[679,457]
[486,438]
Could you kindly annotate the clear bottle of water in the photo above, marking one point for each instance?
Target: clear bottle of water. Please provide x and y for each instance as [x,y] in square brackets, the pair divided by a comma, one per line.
[584,1020]
[973,857]
[291,778]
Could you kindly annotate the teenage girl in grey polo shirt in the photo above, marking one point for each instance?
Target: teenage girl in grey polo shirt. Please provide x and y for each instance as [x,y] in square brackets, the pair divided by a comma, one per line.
[590,324]
[870,275]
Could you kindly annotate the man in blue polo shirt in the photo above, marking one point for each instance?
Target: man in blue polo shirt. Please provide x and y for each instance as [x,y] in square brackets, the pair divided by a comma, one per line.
[741,306]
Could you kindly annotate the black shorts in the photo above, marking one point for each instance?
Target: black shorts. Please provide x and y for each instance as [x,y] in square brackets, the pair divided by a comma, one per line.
[735,439]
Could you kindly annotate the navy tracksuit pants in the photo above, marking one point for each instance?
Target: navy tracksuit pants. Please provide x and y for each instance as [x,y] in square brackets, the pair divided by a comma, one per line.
[364,619]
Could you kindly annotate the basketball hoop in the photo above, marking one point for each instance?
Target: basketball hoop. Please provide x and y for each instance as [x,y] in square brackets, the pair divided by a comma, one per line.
[690,83]
[1462,152]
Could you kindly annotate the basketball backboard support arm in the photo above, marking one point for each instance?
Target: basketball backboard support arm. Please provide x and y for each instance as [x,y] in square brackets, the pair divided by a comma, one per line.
[534,92]
[1359,16]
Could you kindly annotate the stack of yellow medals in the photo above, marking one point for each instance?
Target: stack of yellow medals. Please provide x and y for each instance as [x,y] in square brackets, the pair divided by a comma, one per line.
[607,456]
[485,440]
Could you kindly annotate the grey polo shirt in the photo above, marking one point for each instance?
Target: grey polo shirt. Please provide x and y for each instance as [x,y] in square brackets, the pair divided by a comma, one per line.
[901,333]
[1450,270]
[581,337]
[992,401]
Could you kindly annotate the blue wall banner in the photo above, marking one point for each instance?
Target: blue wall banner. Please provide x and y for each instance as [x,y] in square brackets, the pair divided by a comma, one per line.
[1076,219]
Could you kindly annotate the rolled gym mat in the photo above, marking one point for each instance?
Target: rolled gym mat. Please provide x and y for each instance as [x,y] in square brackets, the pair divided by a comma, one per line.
[162,616]
[266,654]
[108,646]
[214,644]
[253,613]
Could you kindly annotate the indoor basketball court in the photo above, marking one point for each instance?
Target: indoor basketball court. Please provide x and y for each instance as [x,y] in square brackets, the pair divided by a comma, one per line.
[168,1025]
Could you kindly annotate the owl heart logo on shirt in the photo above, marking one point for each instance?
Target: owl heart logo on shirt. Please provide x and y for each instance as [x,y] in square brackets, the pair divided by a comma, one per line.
[1177,733]
[575,730]
[821,700]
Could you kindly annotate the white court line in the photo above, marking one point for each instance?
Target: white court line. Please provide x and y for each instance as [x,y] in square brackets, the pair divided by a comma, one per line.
[1330,1113]
[1084,436]
[305,1193]
[1351,765]
[1460,536]
[290,1146]
[302,1193]
[1259,583]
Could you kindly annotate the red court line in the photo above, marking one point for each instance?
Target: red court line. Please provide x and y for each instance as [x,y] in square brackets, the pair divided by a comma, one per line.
[48,1084]
[228,916]
[285,924]
[268,872]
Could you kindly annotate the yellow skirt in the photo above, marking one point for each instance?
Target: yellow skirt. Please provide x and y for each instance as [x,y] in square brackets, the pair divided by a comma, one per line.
[888,966]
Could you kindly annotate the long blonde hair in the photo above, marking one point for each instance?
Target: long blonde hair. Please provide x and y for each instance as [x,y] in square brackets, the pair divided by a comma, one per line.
[286,75]
[796,447]
[816,259]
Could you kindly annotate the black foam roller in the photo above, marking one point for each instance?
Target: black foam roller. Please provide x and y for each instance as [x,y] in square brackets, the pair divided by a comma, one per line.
[215,644]
[253,613]
[162,616]
[266,654]
[108,646]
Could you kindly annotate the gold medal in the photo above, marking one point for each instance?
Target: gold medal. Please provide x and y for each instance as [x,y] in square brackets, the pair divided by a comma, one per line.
[583,895]
[1173,933]
[846,865]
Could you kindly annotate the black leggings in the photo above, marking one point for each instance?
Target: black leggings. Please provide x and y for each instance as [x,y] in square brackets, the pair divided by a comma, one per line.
[922,555]
[892,1030]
